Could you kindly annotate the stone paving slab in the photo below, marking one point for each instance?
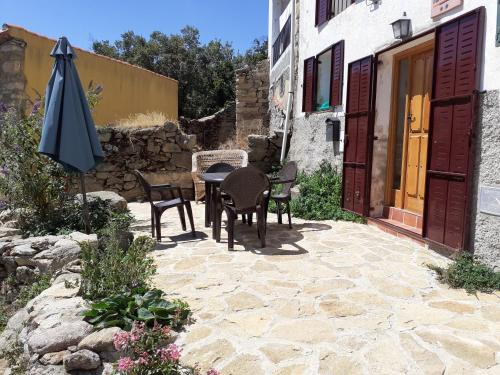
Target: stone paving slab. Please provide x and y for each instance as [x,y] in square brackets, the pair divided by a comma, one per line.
[323,298]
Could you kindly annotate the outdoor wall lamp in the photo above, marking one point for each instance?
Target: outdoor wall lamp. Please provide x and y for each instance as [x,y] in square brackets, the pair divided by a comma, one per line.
[402,27]
[335,124]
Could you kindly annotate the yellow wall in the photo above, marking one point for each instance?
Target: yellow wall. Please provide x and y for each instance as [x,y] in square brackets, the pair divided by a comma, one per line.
[127,89]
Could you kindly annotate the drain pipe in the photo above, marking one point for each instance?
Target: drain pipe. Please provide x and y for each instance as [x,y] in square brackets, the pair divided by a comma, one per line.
[289,104]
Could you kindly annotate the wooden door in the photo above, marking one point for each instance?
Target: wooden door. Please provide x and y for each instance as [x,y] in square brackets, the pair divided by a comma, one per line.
[358,137]
[457,72]
[417,125]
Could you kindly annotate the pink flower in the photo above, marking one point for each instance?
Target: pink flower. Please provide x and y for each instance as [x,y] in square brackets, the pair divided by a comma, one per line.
[121,340]
[143,358]
[213,371]
[166,330]
[137,331]
[170,353]
[125,364]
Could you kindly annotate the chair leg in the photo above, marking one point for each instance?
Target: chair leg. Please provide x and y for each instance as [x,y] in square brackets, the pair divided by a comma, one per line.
[182,216]
[218,223]
[243,218]
[280,218]
[158,226]
[190,217]
[250,219]
[230,230]
[289,214]
[261,226]
[152,222]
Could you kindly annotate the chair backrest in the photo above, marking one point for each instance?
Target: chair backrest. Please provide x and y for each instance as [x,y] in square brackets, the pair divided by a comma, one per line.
[245,186]
[288,173]
[220,167]
[145,185]
[204,159]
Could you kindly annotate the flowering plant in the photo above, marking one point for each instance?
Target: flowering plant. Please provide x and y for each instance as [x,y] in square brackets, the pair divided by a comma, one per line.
[149,351]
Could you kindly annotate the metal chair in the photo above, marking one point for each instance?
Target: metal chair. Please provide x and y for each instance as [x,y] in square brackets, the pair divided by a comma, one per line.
[286,178]
[171,196]
[245,187]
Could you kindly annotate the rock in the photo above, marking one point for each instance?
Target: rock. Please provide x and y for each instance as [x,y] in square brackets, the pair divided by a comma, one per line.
[243,365]
[59,338]
[82,237]
[100,341]
[55,258]
[24,250]
[170,147]
[39,369]
[26,275]
[82,360]
[332,363]
[18,320]
[244,301]
[309,330]
[428,361]
[54,358]
[114,200]
[209,355]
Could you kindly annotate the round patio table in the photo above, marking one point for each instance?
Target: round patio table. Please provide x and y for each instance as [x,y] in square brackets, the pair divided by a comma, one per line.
[212,181]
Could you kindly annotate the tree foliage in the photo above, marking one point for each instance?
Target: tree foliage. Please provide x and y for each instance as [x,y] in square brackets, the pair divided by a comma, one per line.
[205,71]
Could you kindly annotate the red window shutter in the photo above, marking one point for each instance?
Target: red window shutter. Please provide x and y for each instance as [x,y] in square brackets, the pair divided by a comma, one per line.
[337,74]
[453,113]
[358,131]
[323,9]
[309,84]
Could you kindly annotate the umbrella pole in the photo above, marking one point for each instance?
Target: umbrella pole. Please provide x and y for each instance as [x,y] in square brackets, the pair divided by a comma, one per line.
[86,219]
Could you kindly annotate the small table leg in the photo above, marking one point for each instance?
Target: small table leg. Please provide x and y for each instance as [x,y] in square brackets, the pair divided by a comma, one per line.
[213,210]
[208,202]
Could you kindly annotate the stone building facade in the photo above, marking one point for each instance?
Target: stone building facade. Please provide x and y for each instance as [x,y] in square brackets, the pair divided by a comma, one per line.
[12,80]
[394,183]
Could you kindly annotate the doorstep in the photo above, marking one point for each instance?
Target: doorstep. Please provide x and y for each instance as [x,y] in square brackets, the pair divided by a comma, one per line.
[397,230]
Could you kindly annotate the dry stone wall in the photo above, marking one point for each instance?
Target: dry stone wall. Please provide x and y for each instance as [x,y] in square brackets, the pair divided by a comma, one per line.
[163,153]
[12,80]
[252,102]
[215,131]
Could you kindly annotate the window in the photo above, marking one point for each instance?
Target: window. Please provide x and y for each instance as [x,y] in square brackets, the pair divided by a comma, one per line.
[282,41]
[323,76]
[327,9]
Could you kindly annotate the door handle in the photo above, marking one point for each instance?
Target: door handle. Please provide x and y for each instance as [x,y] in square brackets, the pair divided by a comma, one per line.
[410,118]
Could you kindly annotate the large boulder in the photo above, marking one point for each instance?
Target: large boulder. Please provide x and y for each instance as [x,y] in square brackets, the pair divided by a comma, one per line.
[82,360]
[100,341]
[58,338]
[115,200]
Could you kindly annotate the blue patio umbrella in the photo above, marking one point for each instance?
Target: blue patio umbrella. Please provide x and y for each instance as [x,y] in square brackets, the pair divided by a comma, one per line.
[69,136]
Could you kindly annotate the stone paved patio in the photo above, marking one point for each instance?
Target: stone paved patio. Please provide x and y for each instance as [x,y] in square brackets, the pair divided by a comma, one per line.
[324,298]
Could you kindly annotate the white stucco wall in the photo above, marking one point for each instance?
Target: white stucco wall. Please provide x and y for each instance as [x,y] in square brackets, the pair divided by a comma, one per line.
[366,30]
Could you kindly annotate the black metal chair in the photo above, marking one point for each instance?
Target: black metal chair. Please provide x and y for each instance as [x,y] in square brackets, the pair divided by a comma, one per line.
[245,187]
[220,167]
[171,196]
[286,178]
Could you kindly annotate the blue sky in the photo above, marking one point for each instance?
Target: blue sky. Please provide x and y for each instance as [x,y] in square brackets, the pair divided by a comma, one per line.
[236,21]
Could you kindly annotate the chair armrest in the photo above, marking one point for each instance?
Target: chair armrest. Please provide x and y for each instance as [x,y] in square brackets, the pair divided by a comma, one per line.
[159,187]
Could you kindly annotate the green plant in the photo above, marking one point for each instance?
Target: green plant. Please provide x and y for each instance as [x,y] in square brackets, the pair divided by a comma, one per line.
[147,306]
[28,292]
[112,268]
[468,273]
[17,361]
[320,196]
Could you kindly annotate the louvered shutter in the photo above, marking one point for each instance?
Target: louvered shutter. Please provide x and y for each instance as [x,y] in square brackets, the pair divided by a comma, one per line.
[358,134]
[323,8]
[337,74]
[453,112]
[309,84]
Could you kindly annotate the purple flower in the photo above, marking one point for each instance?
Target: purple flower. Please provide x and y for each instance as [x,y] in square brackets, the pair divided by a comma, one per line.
[36,107]
[3,108]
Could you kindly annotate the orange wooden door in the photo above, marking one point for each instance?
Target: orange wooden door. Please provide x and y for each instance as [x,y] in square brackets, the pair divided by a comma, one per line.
[418,131]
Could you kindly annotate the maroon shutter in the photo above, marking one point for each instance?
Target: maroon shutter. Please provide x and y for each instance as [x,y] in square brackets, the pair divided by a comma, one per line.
[337,74]
[309,84]
[322,11]
[357,154]
[453,111]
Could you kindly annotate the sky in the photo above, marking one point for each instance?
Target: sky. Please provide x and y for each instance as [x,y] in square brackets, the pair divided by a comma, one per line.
[82,22]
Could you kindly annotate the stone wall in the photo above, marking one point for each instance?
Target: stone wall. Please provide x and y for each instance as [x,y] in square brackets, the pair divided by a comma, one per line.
[215,131]
[163,153]
[12,80]
[264,151]
[252,102]
[485,234]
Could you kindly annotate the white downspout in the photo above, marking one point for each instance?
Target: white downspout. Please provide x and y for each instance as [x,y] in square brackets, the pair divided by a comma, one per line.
[289,104]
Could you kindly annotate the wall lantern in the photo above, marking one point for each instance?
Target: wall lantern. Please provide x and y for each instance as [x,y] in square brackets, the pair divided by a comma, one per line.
[402,27]
[335,124]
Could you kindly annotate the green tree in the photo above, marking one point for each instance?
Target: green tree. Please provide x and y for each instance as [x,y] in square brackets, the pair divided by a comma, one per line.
[205,71]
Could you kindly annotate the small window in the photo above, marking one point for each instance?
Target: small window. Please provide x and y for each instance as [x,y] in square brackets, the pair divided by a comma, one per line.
[323,81]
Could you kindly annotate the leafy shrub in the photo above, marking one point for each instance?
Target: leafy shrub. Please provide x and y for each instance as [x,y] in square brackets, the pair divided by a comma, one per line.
[113,268]
[28,292]
[468,273]
[16,359]
[146,351]
[320,196]
[147,306]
